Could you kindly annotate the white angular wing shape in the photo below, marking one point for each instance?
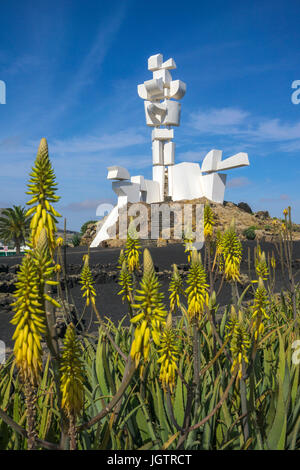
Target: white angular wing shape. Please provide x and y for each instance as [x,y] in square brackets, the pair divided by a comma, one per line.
[117,173]
[177,89]
[236,161]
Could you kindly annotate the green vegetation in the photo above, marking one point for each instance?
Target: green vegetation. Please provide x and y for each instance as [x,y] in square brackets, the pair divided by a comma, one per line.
[14,226]
[76,239]
[85,226]
[183,375]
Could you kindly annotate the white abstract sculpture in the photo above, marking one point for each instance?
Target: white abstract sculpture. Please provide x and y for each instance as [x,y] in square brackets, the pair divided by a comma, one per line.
[169,180]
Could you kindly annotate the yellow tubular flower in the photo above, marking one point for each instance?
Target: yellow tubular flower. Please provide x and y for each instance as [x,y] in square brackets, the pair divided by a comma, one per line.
[261,303]
[132,252]
[59,241]
[72,376]
[86,279]
[240,343]
[42,188]
[273,261]
[261,266]
[169,354]
[151,311]
[197,290]
[30,322]
[44,267]
[232,254]
[175,289]
[208,221]
[188,244]
[121,259]
[125,281]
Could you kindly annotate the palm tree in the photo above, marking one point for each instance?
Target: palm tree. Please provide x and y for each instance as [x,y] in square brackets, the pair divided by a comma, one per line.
[14,226]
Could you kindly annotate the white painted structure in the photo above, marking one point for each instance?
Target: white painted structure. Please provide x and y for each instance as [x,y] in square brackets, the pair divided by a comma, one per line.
[176,181]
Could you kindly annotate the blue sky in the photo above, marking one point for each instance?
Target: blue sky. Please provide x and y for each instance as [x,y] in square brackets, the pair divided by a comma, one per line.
[71,70]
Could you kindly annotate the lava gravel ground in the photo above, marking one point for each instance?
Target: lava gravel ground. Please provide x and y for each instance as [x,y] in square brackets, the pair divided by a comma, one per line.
[109,303]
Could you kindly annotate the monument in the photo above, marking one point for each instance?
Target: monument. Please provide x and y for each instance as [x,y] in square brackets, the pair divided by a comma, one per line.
[170,181]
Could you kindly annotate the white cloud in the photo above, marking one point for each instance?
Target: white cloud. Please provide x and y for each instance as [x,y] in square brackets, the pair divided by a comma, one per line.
[236,123]
[90,144]
[238,182]
[219,121]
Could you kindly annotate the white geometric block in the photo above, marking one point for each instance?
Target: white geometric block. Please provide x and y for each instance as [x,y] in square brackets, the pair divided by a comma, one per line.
[236,161]
[158,175]
[165,75]
[170,180]
[214,186]
[168,64]
[162,134]
[152,192]
[169,153]
[155,88]
[155,62]
[186,181]
[173,111]
[211,160]
[140,180]
[155,113]
[177,89]
[152,120]
[126,192]
[142,92]
[157,152]
[117,173]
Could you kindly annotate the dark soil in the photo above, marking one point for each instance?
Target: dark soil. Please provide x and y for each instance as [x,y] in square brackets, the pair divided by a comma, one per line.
[103,262]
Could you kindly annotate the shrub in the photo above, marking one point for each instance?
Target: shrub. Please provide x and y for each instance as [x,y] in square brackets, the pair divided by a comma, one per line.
[249,233]
[85,226]
[76,239]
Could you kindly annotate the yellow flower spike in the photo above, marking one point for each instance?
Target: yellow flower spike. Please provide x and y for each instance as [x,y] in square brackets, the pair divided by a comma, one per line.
[232,254]
[59,241]
[132,251]
[30,324]
[208,221]
[188,243]
[57,268]
[260,306]
[239,344]
[273,261]
[176,289]
[168,357]
[125,281]
[86,280]
[261,266]
[42,187]
[197,290]
[72,376]
[151,310]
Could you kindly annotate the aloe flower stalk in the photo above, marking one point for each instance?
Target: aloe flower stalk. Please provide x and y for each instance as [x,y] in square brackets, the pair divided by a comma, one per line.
[42,188]
[151,312]
[72,379]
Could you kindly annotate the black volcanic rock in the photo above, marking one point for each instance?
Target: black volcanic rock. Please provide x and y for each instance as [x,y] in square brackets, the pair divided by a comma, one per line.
[245,207]
[262,215]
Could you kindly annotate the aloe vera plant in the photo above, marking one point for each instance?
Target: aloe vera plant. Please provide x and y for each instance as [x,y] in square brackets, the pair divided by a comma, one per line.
[180,376]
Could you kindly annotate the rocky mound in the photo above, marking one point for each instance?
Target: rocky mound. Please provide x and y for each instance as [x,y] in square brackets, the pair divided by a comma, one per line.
[260,222]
